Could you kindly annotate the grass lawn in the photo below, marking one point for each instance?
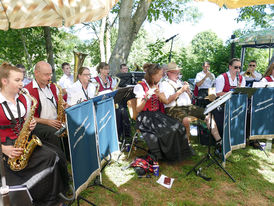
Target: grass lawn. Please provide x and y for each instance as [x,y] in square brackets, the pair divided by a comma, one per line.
[252,170]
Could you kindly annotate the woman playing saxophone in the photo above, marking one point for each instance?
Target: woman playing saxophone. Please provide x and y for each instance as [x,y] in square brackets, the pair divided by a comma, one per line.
[15,108]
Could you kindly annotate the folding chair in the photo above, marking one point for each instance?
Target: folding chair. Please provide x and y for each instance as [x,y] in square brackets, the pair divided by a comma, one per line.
[131,104]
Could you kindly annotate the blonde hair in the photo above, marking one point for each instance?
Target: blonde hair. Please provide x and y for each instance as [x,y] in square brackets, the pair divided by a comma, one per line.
[5,69]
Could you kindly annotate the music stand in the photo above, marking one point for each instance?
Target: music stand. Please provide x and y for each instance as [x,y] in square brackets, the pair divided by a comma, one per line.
[130,78]
[209,108]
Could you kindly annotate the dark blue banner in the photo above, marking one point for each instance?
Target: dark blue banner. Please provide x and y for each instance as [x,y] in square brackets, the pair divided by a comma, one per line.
[238,112]
[262,113]
[106,127]
[82,142]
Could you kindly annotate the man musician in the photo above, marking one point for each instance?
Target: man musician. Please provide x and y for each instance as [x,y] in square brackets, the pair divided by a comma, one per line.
[46,109]
[204,80]
[251,74]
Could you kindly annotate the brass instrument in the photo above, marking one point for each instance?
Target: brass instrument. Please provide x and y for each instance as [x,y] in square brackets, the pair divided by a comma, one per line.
[19,163]
[79,59]
[247,74]
[117,82]
[60,107]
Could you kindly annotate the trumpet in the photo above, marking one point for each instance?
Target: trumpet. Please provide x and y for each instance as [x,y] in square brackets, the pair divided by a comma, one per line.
[247,74]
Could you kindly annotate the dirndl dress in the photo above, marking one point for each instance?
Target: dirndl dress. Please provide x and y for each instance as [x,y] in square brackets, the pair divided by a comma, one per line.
[166,137]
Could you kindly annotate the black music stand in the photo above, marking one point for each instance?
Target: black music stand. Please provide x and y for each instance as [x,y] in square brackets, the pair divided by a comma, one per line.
[130,78]
[209,108]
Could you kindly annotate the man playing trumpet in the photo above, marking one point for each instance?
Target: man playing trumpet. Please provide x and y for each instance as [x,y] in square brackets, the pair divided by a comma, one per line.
[204,80]
[251,74]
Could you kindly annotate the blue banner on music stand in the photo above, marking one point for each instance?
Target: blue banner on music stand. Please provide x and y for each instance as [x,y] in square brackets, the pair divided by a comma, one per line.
[262,113]
[226,151]
[106,127]
[83,144]
[238,112]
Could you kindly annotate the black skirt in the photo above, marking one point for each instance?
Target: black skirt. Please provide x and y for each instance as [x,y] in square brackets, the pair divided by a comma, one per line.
[45,175]
[166,137]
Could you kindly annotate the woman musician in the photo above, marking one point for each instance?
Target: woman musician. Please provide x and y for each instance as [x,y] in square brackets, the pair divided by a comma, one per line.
[82,89]
[166,137]
[106,83]
[269,74]
[45,174]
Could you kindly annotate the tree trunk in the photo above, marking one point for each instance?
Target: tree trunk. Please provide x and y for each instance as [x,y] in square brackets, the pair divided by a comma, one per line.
[108,46]
[49,49]
[23,38]
[101,40]
[129,26]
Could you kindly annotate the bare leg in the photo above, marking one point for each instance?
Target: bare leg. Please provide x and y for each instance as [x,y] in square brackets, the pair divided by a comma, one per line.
[186,123]
[214,129]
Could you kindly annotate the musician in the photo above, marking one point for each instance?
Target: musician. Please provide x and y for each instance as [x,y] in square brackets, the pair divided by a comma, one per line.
[46,173]
[46,109]
[82,89]
[123,68]
[269,74]
[67,79]
[225,83]
[166,137]
[251,75]
[106,83]
[204,80]
[231,79]
[177,99]
[26,80]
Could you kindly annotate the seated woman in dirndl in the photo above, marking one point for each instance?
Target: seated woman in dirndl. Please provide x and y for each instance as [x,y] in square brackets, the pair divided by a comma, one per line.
[166,137]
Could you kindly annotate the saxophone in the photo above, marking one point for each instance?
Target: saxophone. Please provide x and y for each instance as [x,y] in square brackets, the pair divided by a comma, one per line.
[60,107]
[19,163]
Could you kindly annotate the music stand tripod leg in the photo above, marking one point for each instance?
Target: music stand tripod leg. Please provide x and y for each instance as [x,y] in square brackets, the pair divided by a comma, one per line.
[222,167]
[261,148]
[200,162]
[81,198]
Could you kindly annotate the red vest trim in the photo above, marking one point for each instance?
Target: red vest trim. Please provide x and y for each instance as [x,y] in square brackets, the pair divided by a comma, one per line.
[101,88]
[227,86]
[34,92]
[4,121]
[269,79]
[152,104]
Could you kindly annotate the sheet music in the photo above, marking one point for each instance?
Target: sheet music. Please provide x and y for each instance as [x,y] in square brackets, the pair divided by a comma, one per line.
[213,105]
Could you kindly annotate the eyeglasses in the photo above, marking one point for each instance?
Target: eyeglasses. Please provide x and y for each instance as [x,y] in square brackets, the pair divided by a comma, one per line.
[237,67]
[86,74]
[252,65]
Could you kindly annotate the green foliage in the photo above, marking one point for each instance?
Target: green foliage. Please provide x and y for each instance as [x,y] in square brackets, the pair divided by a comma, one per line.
[261,15]
[156,54]
[172,11]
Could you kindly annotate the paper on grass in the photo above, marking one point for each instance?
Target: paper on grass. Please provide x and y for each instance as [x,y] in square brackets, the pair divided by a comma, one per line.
[161,181]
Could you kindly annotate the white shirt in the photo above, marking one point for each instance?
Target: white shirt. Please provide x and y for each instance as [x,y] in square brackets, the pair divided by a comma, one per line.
[220,82]
[139,91]
[264,79]
[208,83]
[113,84]
[258,76]
[77,95]
[13,107]
[49,107]
[66,81]
[168,88]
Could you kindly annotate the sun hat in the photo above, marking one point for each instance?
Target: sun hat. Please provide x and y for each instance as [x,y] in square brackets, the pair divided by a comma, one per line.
[172,66]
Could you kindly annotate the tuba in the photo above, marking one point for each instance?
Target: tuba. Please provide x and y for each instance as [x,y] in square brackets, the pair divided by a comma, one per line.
[19,163]
[79,59]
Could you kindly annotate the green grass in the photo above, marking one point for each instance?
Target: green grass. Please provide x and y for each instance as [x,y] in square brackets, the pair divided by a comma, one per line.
[252,170]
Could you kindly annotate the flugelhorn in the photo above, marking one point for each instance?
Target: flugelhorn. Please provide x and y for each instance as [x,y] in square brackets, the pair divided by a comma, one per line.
[247,74]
